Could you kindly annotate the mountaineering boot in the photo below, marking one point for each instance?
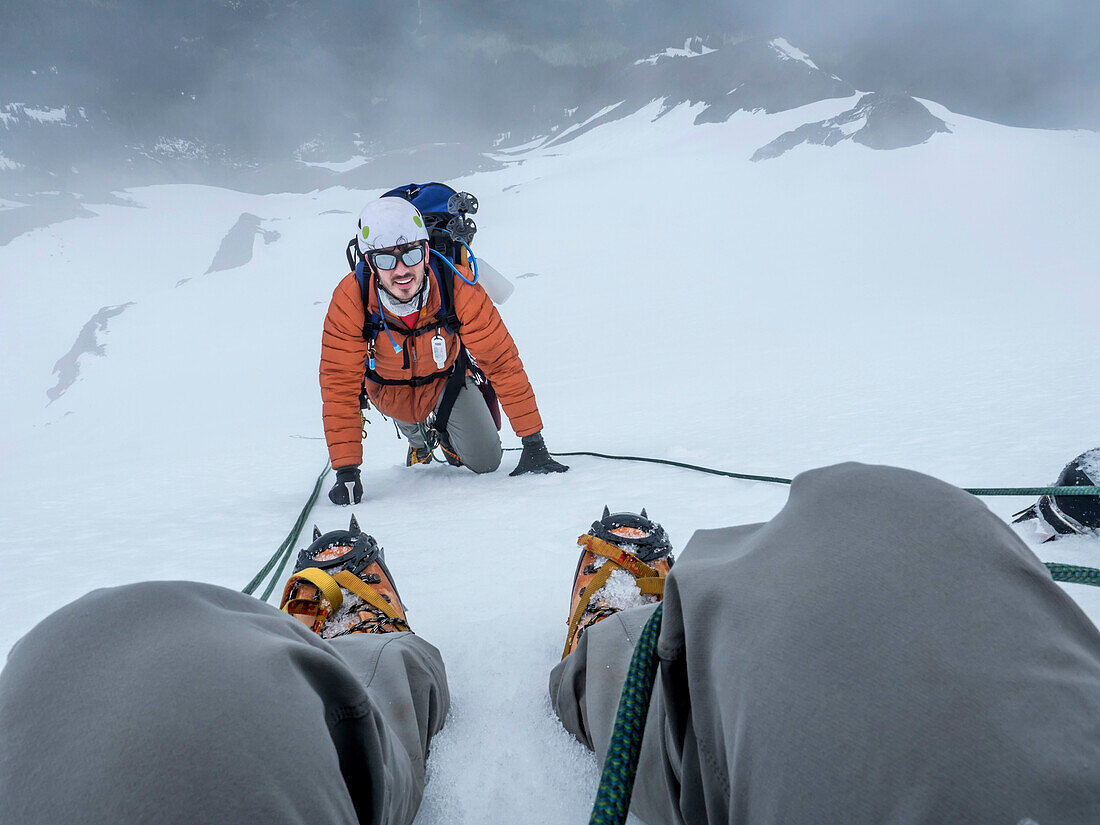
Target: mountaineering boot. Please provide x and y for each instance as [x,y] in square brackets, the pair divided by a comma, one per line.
[624,563]
[341,585]
[422,454]
[449,451]
[1057,516]
[418,455]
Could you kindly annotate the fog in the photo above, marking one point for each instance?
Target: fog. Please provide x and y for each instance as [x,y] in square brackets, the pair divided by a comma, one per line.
[238,83]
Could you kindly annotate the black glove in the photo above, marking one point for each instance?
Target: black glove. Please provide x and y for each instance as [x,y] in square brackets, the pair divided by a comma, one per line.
[339,492]
[535,458]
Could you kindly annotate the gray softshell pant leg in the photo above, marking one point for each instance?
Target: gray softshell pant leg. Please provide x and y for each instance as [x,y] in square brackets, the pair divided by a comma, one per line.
[470,429]
[884,650]
[179,702]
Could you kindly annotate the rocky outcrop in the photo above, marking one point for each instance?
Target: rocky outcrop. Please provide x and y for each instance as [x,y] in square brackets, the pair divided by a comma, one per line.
[236,247]
[760,74]
[878,120]
[67,368]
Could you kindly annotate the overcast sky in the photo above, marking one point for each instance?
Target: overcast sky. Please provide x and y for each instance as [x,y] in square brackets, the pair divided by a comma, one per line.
[1028,62]
[1023,61]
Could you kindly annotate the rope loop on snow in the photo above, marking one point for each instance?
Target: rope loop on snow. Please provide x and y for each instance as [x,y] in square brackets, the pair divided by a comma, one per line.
[282,554]
[975,491]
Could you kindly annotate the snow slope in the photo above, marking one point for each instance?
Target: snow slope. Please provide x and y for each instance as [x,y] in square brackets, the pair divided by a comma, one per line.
[933,307]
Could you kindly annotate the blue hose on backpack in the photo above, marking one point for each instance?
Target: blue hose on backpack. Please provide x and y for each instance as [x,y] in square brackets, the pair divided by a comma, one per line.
[455,269]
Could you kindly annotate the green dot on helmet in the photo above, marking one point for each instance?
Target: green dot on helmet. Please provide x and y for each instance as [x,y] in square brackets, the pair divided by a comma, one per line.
[416,220]
[366,231]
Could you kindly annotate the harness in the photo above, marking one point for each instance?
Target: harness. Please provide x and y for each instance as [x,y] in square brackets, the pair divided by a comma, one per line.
[450,230]
[374,323]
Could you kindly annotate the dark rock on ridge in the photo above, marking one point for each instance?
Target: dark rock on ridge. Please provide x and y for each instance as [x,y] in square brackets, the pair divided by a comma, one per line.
[878,121]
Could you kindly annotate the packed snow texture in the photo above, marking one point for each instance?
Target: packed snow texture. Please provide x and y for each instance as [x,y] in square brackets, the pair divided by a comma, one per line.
[1090,463]
[891,307]
[620,591]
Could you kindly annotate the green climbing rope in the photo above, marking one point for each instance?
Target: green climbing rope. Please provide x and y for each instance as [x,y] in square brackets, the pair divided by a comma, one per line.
[288,544]
[1073,573]
[620,767]
[282,555]
[977,491]
[682,465]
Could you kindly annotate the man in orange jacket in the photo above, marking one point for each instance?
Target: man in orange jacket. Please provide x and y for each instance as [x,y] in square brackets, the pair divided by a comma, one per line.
[414,368]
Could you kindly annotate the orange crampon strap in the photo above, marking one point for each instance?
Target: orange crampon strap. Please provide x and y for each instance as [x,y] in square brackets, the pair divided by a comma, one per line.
[650,582]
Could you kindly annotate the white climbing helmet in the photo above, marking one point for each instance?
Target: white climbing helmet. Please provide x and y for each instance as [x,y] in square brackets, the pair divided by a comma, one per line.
[389,222]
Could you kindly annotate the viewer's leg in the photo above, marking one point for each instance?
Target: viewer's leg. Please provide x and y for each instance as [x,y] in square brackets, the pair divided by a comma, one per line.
[884,649]
[584,691]
[587,698]
[180,702]
[615,590]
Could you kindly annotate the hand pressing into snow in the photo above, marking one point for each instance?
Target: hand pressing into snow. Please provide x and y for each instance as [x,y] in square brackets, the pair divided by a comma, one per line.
[348,489]
[536,458]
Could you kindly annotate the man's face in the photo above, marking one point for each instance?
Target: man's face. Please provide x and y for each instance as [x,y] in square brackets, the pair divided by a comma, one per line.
[403,281]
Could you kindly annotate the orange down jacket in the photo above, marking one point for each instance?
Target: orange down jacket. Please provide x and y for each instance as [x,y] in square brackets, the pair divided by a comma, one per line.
[344,356]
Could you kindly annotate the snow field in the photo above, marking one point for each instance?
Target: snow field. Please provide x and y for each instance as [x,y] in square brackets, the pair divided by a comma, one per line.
[933,307]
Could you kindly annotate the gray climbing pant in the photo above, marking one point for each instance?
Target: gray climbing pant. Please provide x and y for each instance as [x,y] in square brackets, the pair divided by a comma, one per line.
[470,429]
[883,650]
[179,702]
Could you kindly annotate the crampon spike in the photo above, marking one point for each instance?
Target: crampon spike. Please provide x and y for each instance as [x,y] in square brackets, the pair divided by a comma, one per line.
[316,532]
[647,539]
[353,528]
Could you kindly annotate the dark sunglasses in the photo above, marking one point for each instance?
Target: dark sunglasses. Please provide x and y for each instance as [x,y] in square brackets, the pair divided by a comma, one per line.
[388,260]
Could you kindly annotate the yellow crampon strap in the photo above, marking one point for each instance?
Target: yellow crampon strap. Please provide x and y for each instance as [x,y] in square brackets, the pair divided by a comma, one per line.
[650,582]
[319,579]
[330,589]
[318,609]
[364,591]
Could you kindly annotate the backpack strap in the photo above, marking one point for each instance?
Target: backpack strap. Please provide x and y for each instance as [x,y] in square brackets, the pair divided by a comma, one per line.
[372,321]
[455,382]
[447,316]
[418,381]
